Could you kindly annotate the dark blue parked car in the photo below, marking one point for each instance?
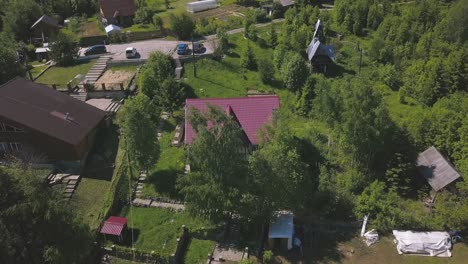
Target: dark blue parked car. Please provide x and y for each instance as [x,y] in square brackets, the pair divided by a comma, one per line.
[182,49]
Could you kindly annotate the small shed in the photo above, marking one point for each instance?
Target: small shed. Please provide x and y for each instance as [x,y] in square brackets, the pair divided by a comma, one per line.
[44,28]
[114,226]
[199,6]
[42,53]
[437,170]
[282,229]
[434,244]
[111,29]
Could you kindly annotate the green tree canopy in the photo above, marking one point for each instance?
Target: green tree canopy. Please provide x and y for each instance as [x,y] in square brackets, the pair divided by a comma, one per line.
[10,67]
[158,68]
[19,16]
[218,177]
[37,226]
[294,72]
[138,122]
[182,25]
[63,49]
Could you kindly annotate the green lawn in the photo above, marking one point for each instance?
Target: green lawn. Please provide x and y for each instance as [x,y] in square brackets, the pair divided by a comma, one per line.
[128,68]
[162,178]
[89,199]
[62,75]
[198,251]
[227,78]
[91,193]
[36,70]
[157,229]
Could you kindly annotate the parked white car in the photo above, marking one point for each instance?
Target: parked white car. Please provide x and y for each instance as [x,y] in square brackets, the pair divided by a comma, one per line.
[130,52]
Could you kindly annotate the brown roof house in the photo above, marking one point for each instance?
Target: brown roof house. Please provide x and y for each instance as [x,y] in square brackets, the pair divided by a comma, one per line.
[44,28]
[120,12]
[437,170]
[34,117]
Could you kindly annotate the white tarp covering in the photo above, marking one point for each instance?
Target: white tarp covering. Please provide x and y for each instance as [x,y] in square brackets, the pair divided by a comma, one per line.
[423,243]
[282,226]
[371,237]
[198,6]
[112,29]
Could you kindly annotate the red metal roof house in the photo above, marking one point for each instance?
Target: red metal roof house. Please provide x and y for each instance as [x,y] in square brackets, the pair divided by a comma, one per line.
[251,113]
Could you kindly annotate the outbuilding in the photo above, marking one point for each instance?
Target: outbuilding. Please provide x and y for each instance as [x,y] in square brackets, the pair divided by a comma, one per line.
[281,230]
[114,226]
[111,29]
[199,6]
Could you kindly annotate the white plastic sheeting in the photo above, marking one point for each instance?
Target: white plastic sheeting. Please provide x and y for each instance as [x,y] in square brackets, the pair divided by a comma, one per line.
[199,6]
[371,237]
[432,244]
[112,29]
[282,226]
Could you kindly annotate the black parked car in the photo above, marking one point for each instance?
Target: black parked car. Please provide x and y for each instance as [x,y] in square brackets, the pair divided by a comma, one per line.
[96,49]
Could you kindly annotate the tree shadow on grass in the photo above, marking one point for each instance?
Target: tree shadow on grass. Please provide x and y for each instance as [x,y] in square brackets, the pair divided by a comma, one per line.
[189,91]
[336,70]
[164,182]
[100,161]
[127,237]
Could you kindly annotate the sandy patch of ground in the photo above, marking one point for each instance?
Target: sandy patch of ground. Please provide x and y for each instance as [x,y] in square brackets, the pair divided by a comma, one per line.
[113,79]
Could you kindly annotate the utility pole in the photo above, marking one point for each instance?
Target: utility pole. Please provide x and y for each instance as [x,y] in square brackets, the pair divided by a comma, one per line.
[193,59]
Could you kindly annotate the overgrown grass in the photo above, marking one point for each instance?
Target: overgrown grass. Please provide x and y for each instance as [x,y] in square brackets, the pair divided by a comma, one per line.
[157,229]
[162,177]
[198,251]
[90,196]
[89,199]
[62,75]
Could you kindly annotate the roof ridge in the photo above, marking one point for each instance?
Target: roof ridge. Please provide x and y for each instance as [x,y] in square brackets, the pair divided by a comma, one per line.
[231,98]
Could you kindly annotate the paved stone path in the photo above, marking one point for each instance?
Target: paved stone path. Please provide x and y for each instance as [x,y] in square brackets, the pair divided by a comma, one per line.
[69,180]
[156,204]
[98,68]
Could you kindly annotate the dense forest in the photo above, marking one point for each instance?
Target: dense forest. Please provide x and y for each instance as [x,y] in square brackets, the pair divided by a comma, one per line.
[415,52]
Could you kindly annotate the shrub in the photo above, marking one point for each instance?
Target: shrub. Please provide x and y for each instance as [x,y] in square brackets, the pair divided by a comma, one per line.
[144,15]
[182,25]
[267,256]
[248,59]
[266,70]
[158,22]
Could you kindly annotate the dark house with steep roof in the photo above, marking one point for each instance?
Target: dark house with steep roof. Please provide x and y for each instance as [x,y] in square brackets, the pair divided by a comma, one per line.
[437,170]
[119,12]
[44,28]
[319,54]
[36,118]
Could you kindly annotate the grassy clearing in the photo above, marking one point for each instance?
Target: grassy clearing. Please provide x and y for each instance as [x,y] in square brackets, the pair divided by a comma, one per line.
[162,178]
[227,78]
[91,27]
[90,195]
[89,199]
[62,75]
[157,229]
[198,250]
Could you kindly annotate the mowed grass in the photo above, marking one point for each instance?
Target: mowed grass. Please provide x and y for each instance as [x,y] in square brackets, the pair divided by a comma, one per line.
[89,199]
[158,229]
[227,78]
[163,176]
[62,75]
[198,250]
